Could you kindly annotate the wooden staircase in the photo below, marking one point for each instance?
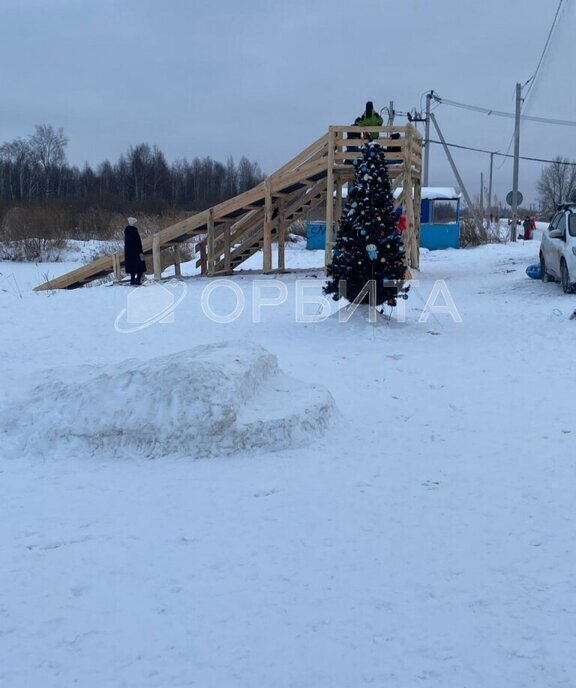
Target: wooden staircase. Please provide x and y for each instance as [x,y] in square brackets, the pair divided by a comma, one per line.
[231,232]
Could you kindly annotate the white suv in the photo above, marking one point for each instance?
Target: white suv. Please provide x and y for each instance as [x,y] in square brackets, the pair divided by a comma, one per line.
[558,248]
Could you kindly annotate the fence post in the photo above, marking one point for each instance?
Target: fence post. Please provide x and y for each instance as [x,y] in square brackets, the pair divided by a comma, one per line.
[156,260]
[177,269]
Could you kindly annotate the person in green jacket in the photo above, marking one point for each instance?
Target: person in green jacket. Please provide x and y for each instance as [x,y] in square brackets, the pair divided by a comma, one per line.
[370,118]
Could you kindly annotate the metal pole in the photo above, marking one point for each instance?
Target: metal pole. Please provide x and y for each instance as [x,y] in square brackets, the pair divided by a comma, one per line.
[490,185]
[516,162]
[391,113]
[482,197]
[427,138]
[456,173]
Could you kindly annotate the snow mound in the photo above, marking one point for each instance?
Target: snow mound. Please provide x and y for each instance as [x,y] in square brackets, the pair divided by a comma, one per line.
[211,400]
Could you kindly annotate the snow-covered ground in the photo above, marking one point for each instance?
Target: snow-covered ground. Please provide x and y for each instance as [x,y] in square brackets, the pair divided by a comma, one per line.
[428,538]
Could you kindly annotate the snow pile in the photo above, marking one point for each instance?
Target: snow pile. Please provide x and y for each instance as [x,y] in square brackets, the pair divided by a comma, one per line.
[209,400]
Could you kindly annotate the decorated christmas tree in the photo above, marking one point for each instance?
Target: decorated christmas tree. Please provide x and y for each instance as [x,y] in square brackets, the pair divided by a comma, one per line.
[368,245]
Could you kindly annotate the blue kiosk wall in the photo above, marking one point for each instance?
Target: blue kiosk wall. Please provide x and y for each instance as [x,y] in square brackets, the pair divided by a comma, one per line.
[438,235]
[433,235]
[316,235]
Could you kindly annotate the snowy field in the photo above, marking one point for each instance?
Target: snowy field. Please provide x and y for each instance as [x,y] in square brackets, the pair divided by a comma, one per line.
[428,537]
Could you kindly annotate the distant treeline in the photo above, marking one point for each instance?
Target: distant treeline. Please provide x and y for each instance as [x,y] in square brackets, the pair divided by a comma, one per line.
[35,170]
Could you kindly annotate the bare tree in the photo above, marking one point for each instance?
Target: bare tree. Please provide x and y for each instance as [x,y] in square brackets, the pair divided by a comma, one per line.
[47,148]
[557,184]
[18,156]
[231,178]
[140,159]
[249,174]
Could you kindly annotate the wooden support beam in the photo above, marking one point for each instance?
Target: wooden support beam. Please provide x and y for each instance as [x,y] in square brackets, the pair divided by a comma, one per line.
[351,155]
[412,252]
[373,129]
[227,248]
[211,258]
[385,142]
[267,246]
[330,239]
[177,259]
[417,206]
[282,235]
[203,262]
[412,164]
[338,210]
[116,265]
[156,259]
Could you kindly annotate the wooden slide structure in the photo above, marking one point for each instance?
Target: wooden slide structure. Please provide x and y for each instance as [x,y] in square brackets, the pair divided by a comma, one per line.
[229,233]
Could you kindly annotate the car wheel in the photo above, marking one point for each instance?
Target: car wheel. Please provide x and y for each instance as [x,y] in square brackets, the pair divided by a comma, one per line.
[564,277]
[543,274]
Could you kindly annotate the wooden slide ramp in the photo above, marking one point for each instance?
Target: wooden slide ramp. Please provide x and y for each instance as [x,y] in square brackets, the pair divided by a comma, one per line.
[229,233]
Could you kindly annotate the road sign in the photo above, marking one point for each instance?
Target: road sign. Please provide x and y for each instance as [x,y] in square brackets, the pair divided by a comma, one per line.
[510,198]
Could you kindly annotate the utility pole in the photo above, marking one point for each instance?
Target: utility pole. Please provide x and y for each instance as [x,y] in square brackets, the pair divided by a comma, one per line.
[482,197]
[490,185]
[516,162]
[457,174]
[427,138]
[391,113]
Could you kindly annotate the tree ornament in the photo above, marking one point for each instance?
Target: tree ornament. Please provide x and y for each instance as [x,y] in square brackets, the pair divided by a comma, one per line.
[372,251]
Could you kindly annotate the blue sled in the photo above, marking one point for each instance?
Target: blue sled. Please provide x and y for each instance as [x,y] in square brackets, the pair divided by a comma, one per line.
[533,271]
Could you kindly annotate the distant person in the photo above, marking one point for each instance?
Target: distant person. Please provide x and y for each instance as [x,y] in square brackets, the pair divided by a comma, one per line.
[134,264]
[527,225]
[370,118]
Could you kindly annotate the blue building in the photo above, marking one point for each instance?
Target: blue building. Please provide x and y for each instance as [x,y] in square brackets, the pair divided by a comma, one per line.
[440,218]
[439,221]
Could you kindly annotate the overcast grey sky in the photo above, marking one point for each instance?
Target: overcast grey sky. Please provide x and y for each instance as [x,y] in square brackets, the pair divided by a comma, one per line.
[264,78]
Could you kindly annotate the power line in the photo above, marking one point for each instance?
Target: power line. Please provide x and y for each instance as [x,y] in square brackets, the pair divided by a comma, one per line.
[503,155]
[500,113]
[532,79]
